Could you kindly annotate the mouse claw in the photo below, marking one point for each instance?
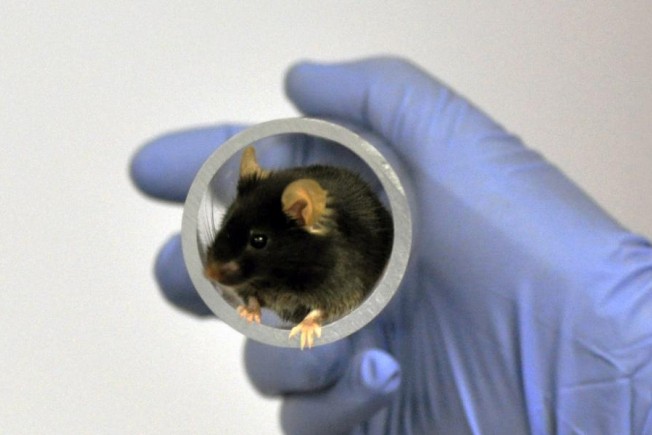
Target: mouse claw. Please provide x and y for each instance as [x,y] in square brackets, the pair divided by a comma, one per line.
[308,328]
[251,314]
[308,333]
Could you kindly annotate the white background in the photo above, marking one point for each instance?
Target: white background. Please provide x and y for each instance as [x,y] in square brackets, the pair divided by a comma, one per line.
[87,343]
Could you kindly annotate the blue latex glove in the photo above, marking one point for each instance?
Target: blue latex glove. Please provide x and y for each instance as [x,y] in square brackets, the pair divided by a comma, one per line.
[528,309]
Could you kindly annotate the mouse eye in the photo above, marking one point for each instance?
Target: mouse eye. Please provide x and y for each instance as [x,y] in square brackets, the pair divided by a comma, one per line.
[258,241]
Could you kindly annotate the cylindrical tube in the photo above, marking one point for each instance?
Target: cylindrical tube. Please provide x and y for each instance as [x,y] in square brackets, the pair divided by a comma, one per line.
[200,198]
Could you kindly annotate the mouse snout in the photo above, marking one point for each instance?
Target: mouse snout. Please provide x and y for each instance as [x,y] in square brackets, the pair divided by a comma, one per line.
[225,273]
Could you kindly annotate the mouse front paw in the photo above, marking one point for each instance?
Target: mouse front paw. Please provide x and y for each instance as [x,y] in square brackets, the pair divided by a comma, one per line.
[250,312]
[308,328]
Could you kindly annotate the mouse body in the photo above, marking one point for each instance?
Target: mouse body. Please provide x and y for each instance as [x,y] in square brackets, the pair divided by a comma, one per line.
[309,243]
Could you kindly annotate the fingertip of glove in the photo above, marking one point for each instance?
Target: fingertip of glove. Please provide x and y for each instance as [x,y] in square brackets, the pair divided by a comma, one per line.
[379,372]
[141,170]
[165,166]
[298,74]
[165,260]
[306,68]
[174,281]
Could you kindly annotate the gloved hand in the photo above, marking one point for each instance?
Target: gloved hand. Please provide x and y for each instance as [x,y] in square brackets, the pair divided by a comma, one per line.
[527,309]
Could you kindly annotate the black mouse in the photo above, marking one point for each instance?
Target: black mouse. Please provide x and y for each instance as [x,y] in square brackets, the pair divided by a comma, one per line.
[309,243]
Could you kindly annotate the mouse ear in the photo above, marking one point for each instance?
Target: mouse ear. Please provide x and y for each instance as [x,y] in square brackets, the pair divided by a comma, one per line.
[304,201]
[249,166]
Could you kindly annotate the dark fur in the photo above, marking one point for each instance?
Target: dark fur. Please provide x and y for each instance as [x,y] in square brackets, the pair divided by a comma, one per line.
[297,271]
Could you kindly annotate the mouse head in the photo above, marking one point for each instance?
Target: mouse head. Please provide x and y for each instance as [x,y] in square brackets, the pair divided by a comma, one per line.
[275,232]
[303,200]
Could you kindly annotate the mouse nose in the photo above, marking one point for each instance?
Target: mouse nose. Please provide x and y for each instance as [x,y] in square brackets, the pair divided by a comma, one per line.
[222,272]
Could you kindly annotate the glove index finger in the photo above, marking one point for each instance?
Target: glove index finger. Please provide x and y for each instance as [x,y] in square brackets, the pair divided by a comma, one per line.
[394,98]
[165,167]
